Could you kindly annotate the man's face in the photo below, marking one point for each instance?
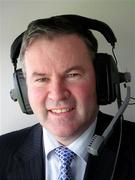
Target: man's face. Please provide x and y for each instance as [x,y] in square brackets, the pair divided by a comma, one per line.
[61,85]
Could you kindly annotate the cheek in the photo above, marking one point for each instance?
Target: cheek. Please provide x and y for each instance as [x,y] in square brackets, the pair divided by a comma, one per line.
[36,95]
[85,92]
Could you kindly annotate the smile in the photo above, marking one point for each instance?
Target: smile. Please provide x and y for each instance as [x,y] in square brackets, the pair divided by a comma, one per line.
[63,110]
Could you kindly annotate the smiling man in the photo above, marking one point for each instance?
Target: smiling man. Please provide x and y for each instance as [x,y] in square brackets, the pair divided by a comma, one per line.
[58,64]
[56,89]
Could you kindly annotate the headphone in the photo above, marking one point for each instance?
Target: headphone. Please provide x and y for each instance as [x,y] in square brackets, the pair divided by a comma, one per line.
[107,75]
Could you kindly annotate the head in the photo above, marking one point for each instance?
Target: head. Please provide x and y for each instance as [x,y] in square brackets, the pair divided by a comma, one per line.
[58,64]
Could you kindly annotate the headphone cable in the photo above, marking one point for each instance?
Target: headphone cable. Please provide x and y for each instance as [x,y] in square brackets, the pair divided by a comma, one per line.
[118,148]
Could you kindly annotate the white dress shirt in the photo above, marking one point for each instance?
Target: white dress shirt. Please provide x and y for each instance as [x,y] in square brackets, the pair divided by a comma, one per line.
[79,146]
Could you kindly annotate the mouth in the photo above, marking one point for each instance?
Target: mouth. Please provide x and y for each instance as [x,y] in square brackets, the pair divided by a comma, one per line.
[60,110]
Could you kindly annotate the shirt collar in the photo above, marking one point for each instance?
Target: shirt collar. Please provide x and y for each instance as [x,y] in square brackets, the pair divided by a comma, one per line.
[83,142]
[50,143]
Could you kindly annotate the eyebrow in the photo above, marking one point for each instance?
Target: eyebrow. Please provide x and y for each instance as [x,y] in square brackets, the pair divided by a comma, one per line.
[38,74]
[35,74]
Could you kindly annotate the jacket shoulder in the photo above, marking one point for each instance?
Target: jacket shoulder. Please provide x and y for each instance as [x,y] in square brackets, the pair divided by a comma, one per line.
[126,129]
[10,142]
[128,126]
[14,137]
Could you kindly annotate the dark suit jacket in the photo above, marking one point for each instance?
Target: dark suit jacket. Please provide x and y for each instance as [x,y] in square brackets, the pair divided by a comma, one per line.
[21,154]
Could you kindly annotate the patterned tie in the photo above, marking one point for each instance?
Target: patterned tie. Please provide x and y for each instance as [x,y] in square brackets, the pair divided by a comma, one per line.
[65,156]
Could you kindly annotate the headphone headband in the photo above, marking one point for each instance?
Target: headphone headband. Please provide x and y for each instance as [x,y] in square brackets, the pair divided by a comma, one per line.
[93,24]
[81,22]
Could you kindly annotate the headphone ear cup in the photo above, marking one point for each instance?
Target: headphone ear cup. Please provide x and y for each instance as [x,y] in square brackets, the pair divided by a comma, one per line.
[107,77]
[19,93]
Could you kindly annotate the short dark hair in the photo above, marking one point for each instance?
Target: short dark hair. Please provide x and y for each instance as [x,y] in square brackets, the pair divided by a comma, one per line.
[54,26]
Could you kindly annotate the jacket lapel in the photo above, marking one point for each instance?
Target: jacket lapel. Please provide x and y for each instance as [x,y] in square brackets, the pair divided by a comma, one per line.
[28,162]
[100,167]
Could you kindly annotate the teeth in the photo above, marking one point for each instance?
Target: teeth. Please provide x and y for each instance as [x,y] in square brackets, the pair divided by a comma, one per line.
[60,110]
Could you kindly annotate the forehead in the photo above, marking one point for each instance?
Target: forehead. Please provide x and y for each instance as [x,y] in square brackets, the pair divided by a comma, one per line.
[64,42]
[63,50]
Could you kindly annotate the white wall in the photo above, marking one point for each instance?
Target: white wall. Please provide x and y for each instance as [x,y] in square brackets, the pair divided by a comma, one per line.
[14,18]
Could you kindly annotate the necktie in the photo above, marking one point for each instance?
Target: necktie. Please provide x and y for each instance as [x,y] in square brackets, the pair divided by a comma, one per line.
[65,156]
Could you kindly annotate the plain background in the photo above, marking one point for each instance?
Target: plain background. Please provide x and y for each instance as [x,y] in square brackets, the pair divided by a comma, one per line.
[14,18]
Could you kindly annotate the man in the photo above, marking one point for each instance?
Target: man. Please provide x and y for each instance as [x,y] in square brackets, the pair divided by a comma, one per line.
[61,81]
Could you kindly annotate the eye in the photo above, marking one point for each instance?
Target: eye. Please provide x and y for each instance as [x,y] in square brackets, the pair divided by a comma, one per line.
[42,79]
[73,75]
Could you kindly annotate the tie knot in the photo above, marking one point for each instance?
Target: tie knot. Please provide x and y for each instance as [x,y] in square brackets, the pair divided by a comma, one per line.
[65,155]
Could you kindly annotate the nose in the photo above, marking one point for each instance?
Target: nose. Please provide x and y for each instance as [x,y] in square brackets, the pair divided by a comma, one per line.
[58,91]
